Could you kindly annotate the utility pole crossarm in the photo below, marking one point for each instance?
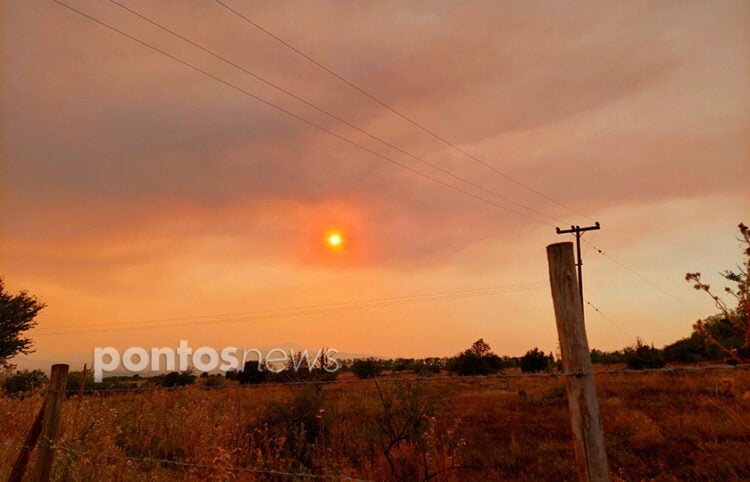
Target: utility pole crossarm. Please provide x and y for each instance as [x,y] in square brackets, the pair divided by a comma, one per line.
[577,230]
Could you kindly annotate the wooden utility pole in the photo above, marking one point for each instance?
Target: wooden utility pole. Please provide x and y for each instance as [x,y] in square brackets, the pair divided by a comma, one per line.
[51,423]
[588,435]
[579,262]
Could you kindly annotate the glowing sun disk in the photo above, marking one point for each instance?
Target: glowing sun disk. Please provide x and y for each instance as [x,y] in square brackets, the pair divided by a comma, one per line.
[335,239]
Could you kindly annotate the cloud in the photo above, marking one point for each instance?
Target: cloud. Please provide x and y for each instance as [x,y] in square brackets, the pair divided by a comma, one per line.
[109,143]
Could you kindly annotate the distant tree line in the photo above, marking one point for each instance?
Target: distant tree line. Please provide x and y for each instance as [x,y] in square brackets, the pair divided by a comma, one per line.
[717,337]
[478,359]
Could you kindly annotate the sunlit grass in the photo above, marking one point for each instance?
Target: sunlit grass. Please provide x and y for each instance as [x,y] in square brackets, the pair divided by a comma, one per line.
[692,426]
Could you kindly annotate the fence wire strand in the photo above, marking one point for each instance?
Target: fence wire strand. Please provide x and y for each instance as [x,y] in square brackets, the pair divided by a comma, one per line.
[436,378]
[228,468]
[307,475]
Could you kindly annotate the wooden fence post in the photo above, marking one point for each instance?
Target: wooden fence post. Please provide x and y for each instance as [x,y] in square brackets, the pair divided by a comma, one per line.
[83,383]
[50,424]
[19,468]
[588,435]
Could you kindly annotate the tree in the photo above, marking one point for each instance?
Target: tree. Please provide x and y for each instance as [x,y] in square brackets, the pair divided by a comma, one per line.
[252,373]
[536,361]
[735,320]
[17,315]
[477,360]
[175,379]
[24,381]
[366,368]
[641,356]
[692,349]
[76,379]
[607,357]
[480,348]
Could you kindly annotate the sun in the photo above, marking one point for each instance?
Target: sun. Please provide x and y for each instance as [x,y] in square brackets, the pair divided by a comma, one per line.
[335,240]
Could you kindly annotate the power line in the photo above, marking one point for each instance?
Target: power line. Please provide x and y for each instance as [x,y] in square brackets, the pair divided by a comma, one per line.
[609,320]
[295,311]
[398,113]
[328,113]
[644,278]
[298,117]
[586,248]
[406,298]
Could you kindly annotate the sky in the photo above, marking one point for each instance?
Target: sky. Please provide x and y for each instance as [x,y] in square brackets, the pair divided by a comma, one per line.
[146,202]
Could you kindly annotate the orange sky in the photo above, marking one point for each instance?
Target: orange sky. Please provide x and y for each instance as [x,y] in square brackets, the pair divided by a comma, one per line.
[134,188]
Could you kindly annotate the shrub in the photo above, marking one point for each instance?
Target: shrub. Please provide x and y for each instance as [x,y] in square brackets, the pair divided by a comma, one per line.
[214,381]
[294,425]
[306,366]
[431,365]
[73,384]
[536,361]
[402,364]
[640,356]
[477,360]
[252,373]
[366,368]
[688,350]
[607,357]
[731,329]
[24,381]
[406,425]
[175,379]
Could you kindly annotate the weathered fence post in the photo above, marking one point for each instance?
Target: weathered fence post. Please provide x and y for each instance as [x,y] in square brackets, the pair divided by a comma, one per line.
[83,383]
[19,468]
[50,424]
[588,435]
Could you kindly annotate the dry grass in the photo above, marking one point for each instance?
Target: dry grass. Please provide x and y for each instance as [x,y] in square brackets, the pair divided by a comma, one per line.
[693,426]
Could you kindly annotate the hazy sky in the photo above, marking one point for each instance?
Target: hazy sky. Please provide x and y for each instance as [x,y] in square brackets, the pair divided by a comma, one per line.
[135,188]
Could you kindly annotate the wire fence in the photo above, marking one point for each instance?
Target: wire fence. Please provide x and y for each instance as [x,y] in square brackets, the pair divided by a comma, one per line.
[193,465]
[275,474]
[226,468]
[149,387]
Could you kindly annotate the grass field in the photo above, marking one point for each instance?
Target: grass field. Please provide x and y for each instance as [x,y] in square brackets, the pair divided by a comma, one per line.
[658,426]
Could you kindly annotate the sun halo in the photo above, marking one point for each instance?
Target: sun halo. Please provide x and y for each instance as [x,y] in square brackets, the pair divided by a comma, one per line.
[334,240]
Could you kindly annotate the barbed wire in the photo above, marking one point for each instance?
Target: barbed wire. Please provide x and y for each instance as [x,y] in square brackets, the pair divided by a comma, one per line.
[418,379]
[228,468]
[672,369]
[325,382]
